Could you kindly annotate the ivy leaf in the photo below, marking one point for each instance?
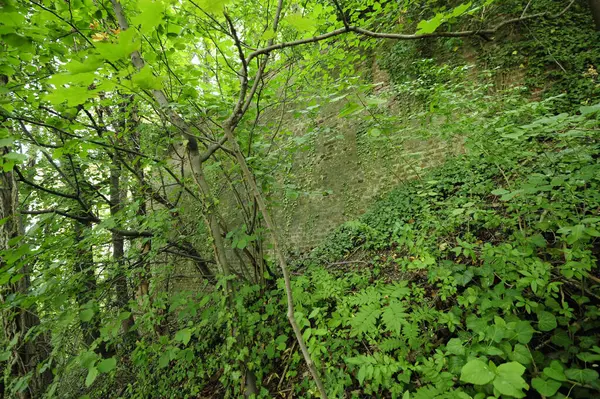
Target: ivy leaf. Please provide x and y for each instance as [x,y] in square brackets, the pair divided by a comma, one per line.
[546,321]
[545,387]
[476,372]
[520,354]
[521,331]
[583,376]
[91,376]
[508,380]
[183,336]
[555,371]
[107,365]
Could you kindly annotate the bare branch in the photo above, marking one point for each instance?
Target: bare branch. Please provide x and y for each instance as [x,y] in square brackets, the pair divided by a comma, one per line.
[405,36]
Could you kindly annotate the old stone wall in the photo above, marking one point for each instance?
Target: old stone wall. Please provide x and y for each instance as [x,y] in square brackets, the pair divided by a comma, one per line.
[345,170]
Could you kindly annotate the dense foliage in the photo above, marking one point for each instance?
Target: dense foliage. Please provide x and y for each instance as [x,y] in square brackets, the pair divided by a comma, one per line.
[145,144]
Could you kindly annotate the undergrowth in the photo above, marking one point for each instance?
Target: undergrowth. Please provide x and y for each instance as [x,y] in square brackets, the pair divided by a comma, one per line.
[478,280]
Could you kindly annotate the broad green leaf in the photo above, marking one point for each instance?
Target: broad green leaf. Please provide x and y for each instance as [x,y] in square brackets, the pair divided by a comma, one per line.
[508,380]
[476,372]
[150,17]
[589,109]
[555,371]
[89,64]
[146,80]
[183,336]
[460,10]
[213,6]
[430,26]
[455,347]
[521,331]
[545,387]
[126,44]
[583,376]
[301,23]
[107,365]
[164,360]
[86,315]
[91,376]
[268,35]
[520,354]
[546,321]
[73,96]
[362,374]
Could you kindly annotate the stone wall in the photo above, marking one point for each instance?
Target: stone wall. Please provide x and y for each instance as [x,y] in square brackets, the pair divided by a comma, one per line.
[345,170]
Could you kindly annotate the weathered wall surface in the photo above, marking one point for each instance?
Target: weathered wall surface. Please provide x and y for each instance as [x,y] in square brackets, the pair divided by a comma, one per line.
[345,170]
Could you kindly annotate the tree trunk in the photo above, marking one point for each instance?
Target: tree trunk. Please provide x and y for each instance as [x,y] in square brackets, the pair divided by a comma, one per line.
[28,352]
[595,9]
[118,245]
[84,267]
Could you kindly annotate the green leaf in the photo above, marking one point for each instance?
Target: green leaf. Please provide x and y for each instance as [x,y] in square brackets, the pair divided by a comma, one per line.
[520,354]
[213,6]
[508,380]
[429,26]
[365,319]
[362,374]
[86,315]
[127,44]
[6,141]
[393,316]
[90,64]
[91,376]
[546,321]
[183,336]
[150,17]
[107,365]
[582,376]
[146,80]
[455,347]
[461,9]
[164,360]
[73,95]
[268,35]
[14,156]
[545,387]
[555,371]
[521,331]
[588,110]
[476,372]
[301,23]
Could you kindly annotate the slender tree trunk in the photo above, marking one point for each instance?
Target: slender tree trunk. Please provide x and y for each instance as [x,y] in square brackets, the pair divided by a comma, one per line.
[262,206]
[118,245]
[595,9]
[28,351]
[84,267]
[193,151]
